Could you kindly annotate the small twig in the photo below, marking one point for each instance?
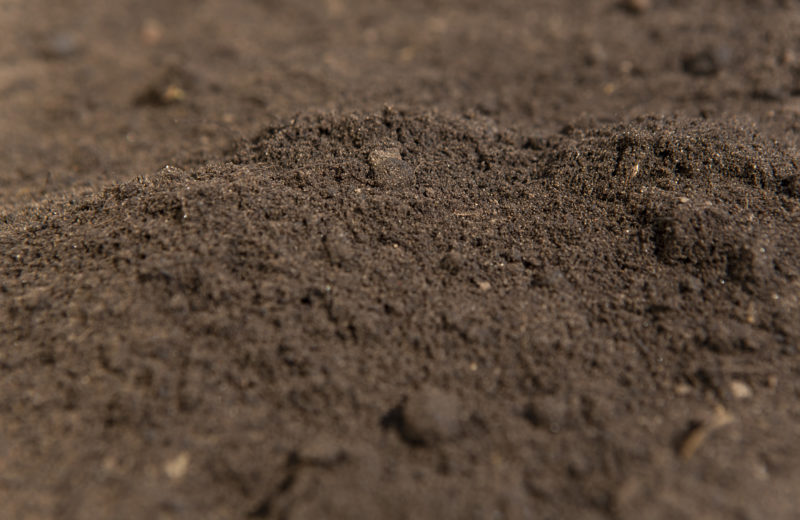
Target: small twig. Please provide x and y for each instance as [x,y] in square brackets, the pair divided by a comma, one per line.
[700,433]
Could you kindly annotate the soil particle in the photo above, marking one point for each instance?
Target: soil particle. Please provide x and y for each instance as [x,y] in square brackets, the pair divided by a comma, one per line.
[637,6]
[338,246]
[177,467]
[707,62]
[550,412]
[431,415]
[741,390]
[452,262]
[322,450]
[170,88]
[690,284]
[389,169]
[729,336]
[549,277]
[791,186]
[61,45]
[751,265]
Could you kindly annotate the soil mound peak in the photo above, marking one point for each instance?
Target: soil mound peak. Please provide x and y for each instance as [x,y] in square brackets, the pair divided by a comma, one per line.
[669,153]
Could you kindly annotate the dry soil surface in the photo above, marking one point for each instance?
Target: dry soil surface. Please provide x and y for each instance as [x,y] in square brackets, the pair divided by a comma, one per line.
[414,260]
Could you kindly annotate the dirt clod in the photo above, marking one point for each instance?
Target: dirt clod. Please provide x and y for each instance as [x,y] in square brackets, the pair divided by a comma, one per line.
[452,262]
[431,415]
[707,62]
[549,412]
[389,169]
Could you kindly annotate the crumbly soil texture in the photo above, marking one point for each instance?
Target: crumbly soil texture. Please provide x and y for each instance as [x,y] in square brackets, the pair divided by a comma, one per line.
[404,260]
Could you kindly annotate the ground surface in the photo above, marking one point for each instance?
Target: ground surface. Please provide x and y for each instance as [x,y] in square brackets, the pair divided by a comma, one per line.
[450,259]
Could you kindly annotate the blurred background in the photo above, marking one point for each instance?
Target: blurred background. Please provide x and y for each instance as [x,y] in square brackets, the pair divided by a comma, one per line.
[94,91]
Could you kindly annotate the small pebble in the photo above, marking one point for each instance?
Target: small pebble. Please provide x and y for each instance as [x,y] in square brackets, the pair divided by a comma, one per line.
[176,468]
[389,169]
[152,31]
[173,94]
[741,390]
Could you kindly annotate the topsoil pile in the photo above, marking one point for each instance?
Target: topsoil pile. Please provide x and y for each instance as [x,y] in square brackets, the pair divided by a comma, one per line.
[417,305]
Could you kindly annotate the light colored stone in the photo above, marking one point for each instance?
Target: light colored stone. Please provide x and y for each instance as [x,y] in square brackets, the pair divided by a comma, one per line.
[741,390]
[176,468]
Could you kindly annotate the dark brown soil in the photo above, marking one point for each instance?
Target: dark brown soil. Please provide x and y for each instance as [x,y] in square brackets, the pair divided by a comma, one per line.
[452,259]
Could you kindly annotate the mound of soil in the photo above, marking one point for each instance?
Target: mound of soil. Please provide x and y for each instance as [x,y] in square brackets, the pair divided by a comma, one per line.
[407,314]
[422,259]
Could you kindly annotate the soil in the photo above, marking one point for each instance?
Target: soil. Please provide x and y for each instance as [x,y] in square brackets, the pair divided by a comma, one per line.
[351,259]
